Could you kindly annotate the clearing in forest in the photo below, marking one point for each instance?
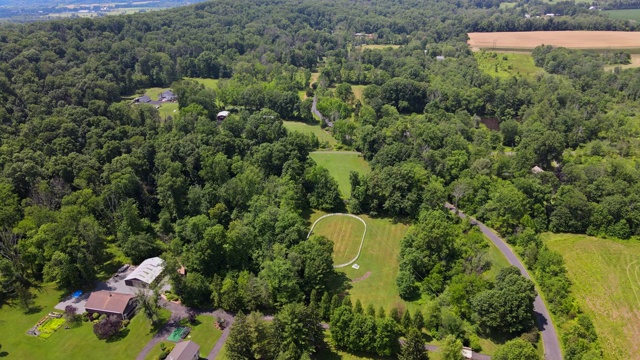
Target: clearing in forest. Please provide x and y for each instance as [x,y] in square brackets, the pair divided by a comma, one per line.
[635,62]
[605,276]
[626,14]
[507,65]
[315,129]
[340,164]
[596,40]
[345,232]
[378,46]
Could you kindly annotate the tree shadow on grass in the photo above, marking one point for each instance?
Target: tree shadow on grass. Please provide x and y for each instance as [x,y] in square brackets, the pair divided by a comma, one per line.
[338,283]
[3,354]
[121,335]
[33,310]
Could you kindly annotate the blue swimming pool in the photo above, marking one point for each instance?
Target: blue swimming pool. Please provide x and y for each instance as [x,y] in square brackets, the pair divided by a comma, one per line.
[76,294]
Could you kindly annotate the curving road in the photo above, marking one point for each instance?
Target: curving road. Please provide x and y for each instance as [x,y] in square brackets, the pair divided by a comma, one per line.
[317,113]
[543,318]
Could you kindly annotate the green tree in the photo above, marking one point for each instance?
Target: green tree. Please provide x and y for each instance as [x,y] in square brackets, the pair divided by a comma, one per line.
[451,349]
[296,327]
[413,346]
[516,349]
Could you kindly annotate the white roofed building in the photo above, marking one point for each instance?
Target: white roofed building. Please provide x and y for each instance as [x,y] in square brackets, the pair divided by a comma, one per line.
[146,273]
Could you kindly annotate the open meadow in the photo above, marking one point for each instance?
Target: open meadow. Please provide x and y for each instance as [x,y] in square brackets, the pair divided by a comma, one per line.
[507,65]
[345,232]
[606,282]
[378,46]
[78,342]
[597,40]
[626,14]
[340,164]
[314,129]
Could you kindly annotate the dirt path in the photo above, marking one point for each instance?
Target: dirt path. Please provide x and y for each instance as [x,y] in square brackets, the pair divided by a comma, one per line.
[363,277]
[543,318]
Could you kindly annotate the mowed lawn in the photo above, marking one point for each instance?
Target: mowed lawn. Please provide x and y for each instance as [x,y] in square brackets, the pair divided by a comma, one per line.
[316,130]
[203,333]
[606,282]
[346,234]
[378,263]
[340,164]
[208,83]
[76,343]
[507,65]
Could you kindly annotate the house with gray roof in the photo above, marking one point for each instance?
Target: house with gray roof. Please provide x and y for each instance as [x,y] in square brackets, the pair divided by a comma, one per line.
[146,273]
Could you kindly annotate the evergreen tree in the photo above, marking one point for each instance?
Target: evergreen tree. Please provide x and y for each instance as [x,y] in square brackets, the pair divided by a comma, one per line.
[239,344]
[396,315]
[406,320]
[387,337]
[347,302]
[358,308]
[371,311]
[335,304]
[451,348]
[418,320]
[381,313]
[325,306]
[413,347]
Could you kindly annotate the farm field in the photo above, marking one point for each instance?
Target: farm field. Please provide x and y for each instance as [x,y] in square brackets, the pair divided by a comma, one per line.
[346,234]
[627,14]
[79,342]
[606,282]
[340,164]
[316,130]
[569,39]
[507,65]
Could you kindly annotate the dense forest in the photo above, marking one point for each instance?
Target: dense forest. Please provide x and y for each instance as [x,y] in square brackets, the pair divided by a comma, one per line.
[86,177]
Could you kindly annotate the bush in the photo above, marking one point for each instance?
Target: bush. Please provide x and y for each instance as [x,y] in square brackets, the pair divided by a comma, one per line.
[107,327]
[95,316]
[163,346]
[125,323]
[163,355]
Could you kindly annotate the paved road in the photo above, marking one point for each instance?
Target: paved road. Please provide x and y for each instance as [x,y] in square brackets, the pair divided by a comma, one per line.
[543,318]
[317,113]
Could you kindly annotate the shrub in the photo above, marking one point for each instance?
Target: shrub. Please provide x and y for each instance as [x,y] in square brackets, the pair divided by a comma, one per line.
[102,317]
[163,346]
[125,323]
[163,355]
[107,327]
[95,316]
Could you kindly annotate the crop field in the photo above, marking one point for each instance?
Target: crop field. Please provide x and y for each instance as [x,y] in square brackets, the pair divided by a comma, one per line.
[606,282]
[346,234]
[598,40]
[316,130]
[627,14]
[340,164]
[507,65]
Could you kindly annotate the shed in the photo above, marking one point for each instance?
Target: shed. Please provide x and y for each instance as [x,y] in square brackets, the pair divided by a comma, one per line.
[144,99]
[110,303]
[186,350]
[222,115]
[536,170]
[146,273]
[439,57]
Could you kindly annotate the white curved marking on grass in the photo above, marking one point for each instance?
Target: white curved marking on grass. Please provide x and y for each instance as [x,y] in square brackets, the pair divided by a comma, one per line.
[633,286]
[361,241]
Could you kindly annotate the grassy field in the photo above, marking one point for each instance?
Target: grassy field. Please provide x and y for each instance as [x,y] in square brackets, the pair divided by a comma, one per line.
[635,62]
[346,234]
[204,333]
[598,40]
[168,109]
[316,130]
[627,14]
[357,91]
[340,164]
[606,282]
[506,65]
[208,83]
[155,92]
[76,343]
[379,259]
[378,47]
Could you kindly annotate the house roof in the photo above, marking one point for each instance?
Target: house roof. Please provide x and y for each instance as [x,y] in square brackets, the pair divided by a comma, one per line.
[108,301]
[536,170]
[223,113]
[185,350]
[148,270]
[143,98]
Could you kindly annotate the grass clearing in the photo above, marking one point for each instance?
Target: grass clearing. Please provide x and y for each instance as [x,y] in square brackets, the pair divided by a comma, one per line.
[605,276]
[78,342]
[323,136]
[167,109]
[340,164]
[635,62]
[378,46]
[203,333]
[346,234]
[507,65]
[357,91]
[208,83]
[626,14]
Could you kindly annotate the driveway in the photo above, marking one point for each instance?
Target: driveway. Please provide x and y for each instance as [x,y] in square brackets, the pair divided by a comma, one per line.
[543,318]
[115,284]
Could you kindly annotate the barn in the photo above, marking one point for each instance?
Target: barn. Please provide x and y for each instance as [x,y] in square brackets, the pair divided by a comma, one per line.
[146,273]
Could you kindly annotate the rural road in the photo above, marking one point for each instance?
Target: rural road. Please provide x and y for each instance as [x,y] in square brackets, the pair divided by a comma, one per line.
[317,113]
[543,318]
